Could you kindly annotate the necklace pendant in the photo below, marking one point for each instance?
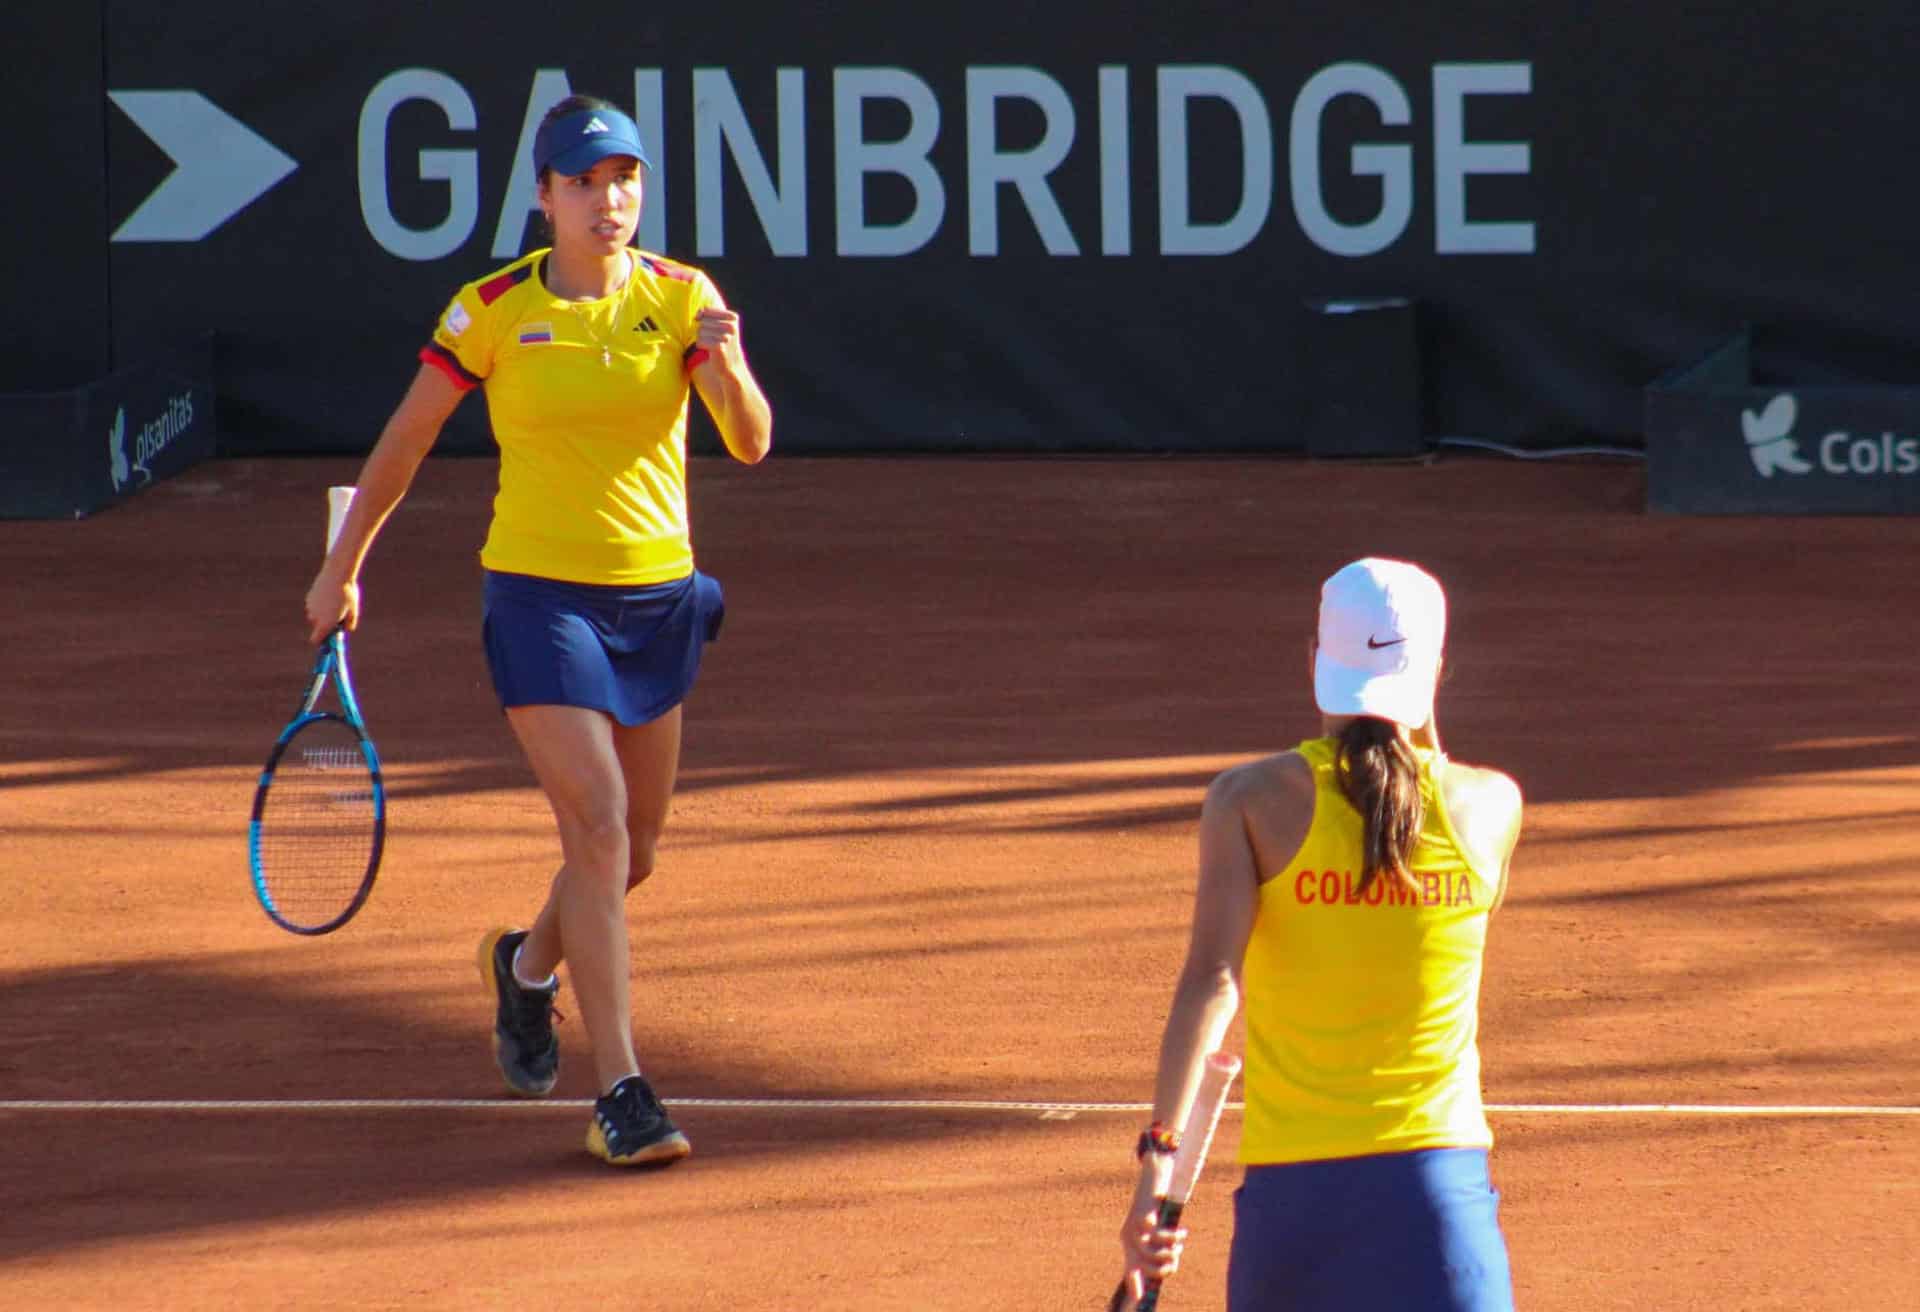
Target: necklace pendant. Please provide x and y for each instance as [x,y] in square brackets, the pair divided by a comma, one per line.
[606,357]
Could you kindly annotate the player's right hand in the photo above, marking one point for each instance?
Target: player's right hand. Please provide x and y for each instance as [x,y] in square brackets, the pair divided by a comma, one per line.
[1151,1251]
[330,602]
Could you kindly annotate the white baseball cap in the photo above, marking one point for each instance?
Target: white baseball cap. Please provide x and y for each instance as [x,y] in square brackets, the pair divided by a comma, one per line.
[1382,624]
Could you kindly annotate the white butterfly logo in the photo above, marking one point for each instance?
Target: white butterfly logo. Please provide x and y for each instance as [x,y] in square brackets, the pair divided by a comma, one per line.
[117,450]
[1770,437]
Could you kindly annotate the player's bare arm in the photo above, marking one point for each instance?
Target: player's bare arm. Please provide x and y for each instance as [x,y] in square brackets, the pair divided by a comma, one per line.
[1242,802]
[728,388]
[1485,807]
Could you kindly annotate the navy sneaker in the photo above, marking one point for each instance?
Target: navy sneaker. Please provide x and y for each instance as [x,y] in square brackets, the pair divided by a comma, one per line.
[630,1127]
[523,1042]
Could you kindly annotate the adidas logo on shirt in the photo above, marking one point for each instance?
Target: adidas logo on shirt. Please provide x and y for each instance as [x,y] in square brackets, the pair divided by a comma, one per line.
[646,325]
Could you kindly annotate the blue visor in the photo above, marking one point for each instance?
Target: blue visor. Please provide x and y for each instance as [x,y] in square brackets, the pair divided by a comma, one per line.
[576,142]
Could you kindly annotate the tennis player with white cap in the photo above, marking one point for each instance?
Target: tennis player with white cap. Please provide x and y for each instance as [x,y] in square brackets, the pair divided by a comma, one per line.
[1344,894]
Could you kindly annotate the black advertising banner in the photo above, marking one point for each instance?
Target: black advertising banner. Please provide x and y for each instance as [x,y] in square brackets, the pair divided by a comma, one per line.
[154,420]
[72,453]
[39,478]
[1720,442]
[53,201]
[1058,227]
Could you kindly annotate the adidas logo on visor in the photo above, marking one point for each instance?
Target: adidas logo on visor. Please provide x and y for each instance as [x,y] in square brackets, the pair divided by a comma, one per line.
[595,125]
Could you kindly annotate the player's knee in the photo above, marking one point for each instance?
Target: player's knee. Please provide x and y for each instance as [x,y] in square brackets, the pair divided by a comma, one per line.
[595,843]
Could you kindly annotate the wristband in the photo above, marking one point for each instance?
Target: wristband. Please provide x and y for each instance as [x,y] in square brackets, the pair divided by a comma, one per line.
[1158,1140]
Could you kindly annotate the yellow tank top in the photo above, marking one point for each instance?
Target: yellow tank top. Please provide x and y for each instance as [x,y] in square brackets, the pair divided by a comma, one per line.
[1363,1010]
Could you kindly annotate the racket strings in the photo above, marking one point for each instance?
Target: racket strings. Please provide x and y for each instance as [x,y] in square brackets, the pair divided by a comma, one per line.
[318,828]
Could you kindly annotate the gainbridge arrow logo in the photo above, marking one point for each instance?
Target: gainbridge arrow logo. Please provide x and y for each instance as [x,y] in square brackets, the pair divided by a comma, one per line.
[221,165]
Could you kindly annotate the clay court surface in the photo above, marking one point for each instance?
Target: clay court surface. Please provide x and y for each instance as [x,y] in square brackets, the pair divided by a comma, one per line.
[933,845]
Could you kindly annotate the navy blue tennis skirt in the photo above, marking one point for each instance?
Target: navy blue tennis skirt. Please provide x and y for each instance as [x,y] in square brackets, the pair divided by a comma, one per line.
[631,652]
[1414,1232]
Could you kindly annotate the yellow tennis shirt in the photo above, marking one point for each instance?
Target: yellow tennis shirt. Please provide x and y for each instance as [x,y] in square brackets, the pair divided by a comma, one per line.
[1363,1009]
[588,402]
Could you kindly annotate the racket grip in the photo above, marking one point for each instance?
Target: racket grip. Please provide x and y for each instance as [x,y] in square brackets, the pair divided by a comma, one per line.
[1148,1300]
[1168,1217]
[1203,1118]
[338,499]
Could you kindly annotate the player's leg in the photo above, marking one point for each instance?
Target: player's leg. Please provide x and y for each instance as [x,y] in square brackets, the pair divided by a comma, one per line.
[571,750]
[610,829]
[650,761]
[630,1126]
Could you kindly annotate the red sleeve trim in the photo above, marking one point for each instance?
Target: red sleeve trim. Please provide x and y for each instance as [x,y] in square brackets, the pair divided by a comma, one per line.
[442,359]
[665,269]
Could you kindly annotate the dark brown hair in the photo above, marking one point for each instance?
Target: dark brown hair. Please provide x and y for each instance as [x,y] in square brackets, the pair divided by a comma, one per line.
[1380,777]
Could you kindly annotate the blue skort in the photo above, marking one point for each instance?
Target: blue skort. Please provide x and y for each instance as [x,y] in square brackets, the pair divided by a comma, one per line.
[1413,1232]
[631,652]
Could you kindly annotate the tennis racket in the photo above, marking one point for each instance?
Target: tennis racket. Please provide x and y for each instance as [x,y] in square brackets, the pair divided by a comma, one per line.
[320,812]
[1196,1137]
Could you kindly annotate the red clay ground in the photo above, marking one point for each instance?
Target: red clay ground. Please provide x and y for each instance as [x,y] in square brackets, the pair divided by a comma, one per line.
[934,842]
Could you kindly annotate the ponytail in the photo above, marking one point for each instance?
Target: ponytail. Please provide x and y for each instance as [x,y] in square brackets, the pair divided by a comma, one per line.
[1380,776]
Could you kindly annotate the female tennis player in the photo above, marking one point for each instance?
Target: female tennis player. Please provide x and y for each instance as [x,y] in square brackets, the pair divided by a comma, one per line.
[593,613]
[1344,891]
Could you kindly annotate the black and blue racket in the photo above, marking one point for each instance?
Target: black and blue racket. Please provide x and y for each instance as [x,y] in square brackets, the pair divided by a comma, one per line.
[320,813]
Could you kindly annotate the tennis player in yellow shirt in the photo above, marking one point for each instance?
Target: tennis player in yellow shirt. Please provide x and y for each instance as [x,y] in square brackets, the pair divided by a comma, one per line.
[1344,893]
[594,615]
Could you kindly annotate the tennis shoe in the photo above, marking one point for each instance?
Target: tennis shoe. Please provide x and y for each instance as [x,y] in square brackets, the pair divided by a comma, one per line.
[630,1127]
[523,1041]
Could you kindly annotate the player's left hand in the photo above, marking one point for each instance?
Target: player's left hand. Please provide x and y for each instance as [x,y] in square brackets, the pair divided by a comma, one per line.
[717,332]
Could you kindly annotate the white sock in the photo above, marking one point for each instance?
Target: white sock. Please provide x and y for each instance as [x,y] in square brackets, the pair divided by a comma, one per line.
[521,980]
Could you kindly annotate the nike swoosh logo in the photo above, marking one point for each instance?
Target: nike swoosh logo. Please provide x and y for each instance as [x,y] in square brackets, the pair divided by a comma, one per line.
[1373,645]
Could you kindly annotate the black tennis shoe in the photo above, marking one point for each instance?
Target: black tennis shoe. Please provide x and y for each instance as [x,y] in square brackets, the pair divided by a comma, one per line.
[630,1127]
[523,1042]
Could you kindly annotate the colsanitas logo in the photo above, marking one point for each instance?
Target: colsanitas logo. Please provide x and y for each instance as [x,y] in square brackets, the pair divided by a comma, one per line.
[1771,445]
[152,438]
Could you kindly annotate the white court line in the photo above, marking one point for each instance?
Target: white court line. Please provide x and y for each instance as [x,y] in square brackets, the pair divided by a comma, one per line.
[1694,1109]
[1046,1110]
